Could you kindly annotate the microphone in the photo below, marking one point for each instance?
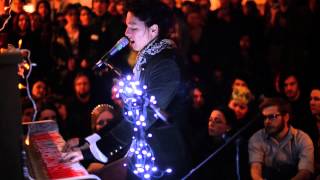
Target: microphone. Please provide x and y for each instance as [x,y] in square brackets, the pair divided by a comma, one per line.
[123,42]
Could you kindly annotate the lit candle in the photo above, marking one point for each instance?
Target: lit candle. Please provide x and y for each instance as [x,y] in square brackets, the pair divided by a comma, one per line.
[19,43]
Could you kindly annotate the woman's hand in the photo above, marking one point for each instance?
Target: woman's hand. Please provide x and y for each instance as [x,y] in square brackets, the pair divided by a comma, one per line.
[71,144]
[72,156]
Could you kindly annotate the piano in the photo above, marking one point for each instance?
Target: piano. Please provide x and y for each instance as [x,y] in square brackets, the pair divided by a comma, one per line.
[42,152]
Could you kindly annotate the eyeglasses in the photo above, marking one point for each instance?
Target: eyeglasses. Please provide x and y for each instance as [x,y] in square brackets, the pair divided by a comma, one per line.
[271,117]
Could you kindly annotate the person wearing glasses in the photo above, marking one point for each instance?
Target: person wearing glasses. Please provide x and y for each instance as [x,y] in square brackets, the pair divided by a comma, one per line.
[280,151]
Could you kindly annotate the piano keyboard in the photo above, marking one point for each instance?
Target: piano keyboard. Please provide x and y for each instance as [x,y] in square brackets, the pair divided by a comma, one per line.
[45,154]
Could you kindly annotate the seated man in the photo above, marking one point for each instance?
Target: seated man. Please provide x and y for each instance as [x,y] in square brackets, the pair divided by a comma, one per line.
[280,151]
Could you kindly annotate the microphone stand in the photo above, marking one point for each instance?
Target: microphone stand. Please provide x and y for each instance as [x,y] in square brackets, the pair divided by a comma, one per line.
[214,153]
[113,69]
[108,65]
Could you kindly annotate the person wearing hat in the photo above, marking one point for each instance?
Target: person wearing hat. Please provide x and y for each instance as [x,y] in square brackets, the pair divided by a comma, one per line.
[240,98]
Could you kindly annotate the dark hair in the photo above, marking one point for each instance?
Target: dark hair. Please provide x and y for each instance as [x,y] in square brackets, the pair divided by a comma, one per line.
[71,7]
[284,75]
[47,106]
[81,74]
[16,27]
[152,12]
[47,6]
[283,105]
[229,115]
[86,8]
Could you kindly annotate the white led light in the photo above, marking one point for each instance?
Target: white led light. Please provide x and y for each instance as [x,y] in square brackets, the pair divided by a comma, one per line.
[144,124]
[121,83]
[129,90]
[128,77]
[137,92]
[146,176]
[142,118]
[140,170]
[149,135]
[130,113]
[169,170]
[144,87]
[138,123]
[139,156]
[154,169]
[135,129]
[144,152]
[132,150]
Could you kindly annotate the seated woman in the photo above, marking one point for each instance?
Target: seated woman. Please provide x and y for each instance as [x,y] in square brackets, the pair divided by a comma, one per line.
[227,162]
[102,117]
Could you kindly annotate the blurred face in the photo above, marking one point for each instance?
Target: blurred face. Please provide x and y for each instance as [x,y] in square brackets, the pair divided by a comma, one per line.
[99,7]
[82,86]
[239,83]
[84,17]
[72,17]
[245,42]
[35,21]
[217,124]
[198,100]
[194,19]
[240,109]
[48,114]
[22,23]
[138,33]
[120,8]
[274,122]
[18,5]
[62,110]
[315,102]
[39,90]
[291,88]
[103,120]
[27,115]
[42,10]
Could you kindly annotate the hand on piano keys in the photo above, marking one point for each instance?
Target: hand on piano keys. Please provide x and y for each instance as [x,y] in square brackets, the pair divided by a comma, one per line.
[50,145]
[71,144]
[72,156]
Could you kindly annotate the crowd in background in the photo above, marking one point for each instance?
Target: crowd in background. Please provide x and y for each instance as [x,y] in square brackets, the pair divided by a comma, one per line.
[233,58]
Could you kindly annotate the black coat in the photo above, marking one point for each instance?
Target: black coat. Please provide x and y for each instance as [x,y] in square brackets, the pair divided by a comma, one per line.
[162,76]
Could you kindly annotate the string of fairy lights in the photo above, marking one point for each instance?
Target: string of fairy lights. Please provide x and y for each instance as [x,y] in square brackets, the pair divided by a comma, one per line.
[141,156]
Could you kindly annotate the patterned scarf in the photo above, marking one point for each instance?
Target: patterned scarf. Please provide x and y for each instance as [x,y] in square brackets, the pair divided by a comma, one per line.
[153,48]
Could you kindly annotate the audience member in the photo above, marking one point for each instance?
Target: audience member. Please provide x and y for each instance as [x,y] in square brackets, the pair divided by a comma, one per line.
[279,151]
